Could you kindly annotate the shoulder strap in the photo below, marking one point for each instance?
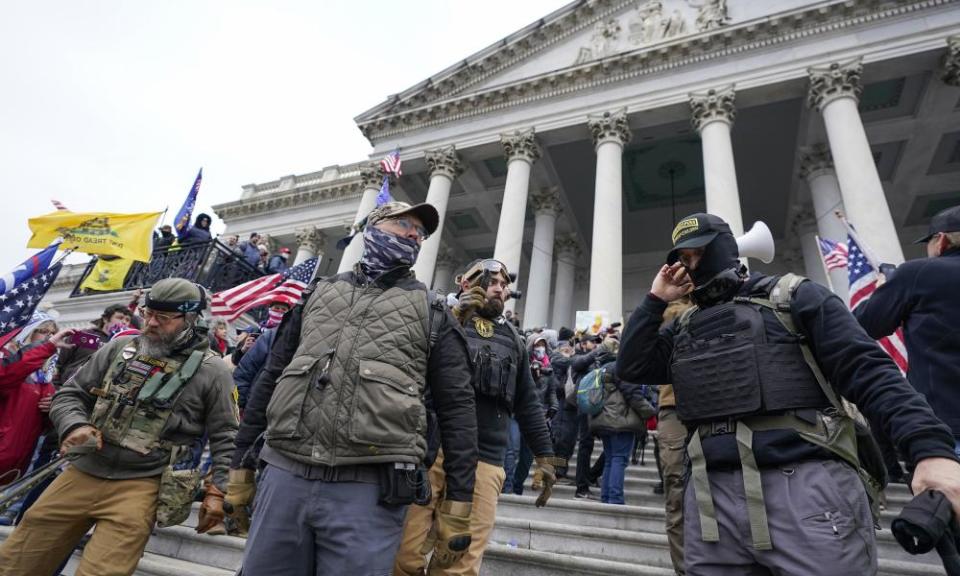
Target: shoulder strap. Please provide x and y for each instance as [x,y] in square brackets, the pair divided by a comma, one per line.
[778,301]
[684,320]
[517,337]
[438,308]
[179,378]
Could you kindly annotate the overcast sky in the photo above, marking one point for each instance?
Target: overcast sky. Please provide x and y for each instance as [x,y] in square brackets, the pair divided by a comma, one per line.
[113,106]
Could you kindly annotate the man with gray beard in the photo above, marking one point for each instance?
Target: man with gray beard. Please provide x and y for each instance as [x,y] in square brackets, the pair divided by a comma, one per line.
[138,404]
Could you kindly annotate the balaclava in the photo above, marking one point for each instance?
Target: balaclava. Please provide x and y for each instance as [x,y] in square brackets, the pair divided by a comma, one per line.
[383,251]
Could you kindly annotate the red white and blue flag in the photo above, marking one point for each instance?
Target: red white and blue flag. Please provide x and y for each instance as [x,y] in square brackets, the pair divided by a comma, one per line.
[391,163]
[29,269]
[263,291]
[834,254]
[863,283]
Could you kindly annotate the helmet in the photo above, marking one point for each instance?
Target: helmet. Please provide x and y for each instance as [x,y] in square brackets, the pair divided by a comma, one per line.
[176,295]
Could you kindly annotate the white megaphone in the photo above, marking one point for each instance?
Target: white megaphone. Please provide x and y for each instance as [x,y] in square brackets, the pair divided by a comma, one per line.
[757,243]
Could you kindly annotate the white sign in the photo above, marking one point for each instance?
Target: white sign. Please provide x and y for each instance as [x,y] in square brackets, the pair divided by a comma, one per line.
[591,321]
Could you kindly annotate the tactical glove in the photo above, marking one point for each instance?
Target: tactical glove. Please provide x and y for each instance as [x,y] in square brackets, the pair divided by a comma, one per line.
[469,302]
[240,492]
[211,510]
[545,476]
[453,533]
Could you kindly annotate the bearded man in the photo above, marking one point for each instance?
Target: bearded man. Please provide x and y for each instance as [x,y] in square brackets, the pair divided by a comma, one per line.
[140,401]
[505,391]
[341,404]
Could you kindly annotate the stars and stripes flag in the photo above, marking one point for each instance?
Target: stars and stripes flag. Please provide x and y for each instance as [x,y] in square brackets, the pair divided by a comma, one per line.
[863,283]
[391,163]
[263,291]
[834,254]
[29,269]
[18,304]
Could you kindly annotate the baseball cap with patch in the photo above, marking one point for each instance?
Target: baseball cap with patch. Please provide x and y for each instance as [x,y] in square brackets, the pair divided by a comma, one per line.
[943,221]
[695,231]
[425,212]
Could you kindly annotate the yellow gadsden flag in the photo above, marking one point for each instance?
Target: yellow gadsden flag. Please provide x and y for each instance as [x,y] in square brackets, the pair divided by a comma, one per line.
[123,235]
[107,275]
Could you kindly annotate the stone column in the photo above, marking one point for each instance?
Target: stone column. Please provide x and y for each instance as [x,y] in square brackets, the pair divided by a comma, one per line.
[443,167]
[443,275]
[713,116]
[611,132]
[371,179]
[568,250]
[521,151]
[950,73]
[816,167]
[310,242]
[546,208]
[835,91]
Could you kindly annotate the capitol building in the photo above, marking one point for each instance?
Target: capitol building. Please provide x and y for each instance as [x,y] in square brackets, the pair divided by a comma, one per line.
[570,148]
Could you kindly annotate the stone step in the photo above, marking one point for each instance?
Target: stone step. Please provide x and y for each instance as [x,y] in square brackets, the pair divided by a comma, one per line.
[500,560]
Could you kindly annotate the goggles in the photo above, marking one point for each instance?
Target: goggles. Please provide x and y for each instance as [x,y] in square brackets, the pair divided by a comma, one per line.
[490,266]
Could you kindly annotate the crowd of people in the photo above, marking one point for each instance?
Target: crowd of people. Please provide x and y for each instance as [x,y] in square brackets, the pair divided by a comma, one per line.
[372,428]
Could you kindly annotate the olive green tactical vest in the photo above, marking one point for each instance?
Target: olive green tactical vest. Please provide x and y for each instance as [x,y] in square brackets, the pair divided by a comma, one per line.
[137,395]
[373,343]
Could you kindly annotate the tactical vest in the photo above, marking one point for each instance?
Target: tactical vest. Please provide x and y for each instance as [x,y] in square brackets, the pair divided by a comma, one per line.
[137,396]
[495,353]
[352,394]
[758,379]
[726,364]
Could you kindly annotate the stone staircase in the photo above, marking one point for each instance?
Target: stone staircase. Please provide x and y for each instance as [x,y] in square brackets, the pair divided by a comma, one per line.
[567,537]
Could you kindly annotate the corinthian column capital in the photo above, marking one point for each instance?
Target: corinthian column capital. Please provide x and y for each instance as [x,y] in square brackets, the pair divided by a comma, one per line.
[838,80]
[310,238]
[520,145]
[444,161]
[567,244]
[951,62]
[814,160]
[714,105]
[371,175]
[546,201]
[610,127]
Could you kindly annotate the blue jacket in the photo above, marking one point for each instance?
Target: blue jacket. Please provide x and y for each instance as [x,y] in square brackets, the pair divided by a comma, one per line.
[922,296]
[277,265]
[253,361]
[250,253]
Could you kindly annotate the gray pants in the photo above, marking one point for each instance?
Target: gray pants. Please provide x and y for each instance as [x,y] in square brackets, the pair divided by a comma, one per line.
[819,518]
[309,527]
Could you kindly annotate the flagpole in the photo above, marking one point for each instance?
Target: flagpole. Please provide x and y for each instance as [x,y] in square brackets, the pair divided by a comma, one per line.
[823,264]
[163,217]
[868,254]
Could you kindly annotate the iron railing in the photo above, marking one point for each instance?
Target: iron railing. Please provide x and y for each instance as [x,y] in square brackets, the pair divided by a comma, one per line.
[210,263]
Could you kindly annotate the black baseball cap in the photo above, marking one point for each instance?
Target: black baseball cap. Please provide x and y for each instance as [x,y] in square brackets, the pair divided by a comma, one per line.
[695,231]
[943,221]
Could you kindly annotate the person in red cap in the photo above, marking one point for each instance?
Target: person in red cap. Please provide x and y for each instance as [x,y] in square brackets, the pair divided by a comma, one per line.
[279,262]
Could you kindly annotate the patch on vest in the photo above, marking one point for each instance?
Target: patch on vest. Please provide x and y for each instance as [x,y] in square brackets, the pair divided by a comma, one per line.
[484,327]
[129,352]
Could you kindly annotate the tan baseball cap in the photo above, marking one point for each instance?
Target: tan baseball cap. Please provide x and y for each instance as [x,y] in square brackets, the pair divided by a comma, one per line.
[425,212]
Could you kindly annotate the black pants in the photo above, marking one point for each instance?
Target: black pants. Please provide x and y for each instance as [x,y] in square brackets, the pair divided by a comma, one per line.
[586,474]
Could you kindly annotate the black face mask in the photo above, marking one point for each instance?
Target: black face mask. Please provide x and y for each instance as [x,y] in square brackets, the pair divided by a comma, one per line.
[719,273]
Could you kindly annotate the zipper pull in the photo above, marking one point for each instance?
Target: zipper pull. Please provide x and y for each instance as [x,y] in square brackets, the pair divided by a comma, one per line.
[833,523]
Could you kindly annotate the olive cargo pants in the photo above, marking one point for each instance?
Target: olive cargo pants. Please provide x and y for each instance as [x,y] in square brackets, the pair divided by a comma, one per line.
[818,514]
[672,435]
[123,511]
[410,561]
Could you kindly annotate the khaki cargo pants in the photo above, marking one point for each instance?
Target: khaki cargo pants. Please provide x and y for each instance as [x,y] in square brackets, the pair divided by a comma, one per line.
[672,436]
[123,511]
[416,527]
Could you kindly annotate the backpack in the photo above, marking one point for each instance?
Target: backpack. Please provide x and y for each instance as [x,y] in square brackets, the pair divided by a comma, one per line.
[590,393]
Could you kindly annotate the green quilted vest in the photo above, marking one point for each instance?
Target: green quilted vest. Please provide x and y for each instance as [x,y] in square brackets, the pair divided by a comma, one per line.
[371,409]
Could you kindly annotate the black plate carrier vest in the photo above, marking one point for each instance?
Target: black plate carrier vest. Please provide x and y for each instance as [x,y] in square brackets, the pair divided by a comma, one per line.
[496,361]
[729,363]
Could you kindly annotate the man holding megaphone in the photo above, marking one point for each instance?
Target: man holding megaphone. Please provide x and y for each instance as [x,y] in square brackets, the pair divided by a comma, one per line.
[781,476]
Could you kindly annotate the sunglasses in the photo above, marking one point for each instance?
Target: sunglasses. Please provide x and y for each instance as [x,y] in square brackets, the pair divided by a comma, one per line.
[161,317]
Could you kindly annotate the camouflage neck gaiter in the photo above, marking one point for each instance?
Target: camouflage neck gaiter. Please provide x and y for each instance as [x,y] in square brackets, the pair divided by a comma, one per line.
[383,251]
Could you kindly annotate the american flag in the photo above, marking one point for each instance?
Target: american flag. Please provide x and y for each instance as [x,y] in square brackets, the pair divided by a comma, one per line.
[863,283]
[834,253]
[262,291]
[391,163]
[17,305]
[58,204]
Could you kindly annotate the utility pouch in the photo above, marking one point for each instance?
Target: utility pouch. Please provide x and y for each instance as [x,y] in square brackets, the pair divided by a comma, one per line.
[423,488]
[398,484]
[177,489]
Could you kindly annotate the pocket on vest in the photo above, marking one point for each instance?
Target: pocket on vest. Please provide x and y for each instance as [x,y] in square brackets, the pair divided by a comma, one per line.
[387,410]
[286,404]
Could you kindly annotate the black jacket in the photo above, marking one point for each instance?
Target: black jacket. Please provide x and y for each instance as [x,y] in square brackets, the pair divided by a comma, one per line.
[448,378]
[922,296]
[852,361]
